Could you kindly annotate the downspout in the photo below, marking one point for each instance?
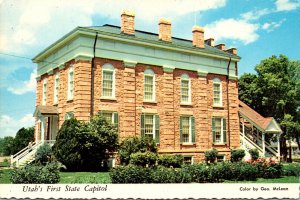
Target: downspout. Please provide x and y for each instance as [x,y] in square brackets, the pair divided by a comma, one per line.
[228,114]
[93,77]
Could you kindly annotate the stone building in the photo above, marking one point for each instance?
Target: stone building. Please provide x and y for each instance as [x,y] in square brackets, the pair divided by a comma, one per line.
[182,93]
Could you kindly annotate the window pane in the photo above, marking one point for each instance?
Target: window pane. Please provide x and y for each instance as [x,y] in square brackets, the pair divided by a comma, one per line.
[217,94]
[186,129]
[218,130]
[107,116]
[148,87]
[185,91]
[149,125]
[107,83]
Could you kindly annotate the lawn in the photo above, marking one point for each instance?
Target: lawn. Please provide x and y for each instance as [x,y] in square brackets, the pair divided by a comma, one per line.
[103,177]
[84,177]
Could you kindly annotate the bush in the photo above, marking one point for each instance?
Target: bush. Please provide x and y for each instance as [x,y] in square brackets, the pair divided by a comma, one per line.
[169,175]
[133,145]
[237,155]
[243,171]
[254,154]
[43,154]
[199,173]
[211,156]
[174,161]
[267,168]
[85,146]
[130,174]
[37,174]
[291,170]
[145,159]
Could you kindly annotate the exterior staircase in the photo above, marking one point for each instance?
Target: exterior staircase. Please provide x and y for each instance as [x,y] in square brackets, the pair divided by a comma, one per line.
[27,155]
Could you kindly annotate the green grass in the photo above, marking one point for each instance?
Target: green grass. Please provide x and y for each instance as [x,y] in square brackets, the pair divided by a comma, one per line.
[84,177]
[5,176]
[4,164]
[285,179]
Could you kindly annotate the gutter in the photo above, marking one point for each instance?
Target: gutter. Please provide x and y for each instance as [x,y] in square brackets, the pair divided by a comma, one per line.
[93,77]
[228,114]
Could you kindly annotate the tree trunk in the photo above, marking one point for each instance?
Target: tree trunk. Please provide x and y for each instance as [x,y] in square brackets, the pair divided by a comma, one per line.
[298,141]
[283,147]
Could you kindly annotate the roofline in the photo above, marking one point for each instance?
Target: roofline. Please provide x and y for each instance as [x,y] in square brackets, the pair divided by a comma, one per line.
[101,34]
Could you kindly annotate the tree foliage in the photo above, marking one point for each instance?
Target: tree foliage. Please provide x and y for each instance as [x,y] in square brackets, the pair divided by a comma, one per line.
[275,92]
[85,146]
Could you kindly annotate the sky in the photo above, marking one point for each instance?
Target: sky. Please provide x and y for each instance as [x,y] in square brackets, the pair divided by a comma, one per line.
[257,28]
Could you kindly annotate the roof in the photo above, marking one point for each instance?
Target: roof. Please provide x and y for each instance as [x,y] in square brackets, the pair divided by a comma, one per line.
[45,110]
[153,37]
[254,117]
[144,36]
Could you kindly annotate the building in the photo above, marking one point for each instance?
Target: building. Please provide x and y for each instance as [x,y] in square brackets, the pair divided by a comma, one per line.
[182,93]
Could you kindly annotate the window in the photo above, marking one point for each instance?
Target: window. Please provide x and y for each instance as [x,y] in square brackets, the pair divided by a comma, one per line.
[185,89]
[187,129]
[108,81]
[71,83]
[188,160]
[149,85]
[150,126]
[69,115]
[219,130]
[56,88]
[44,98]
[220,158]
[111,117]
[217,90]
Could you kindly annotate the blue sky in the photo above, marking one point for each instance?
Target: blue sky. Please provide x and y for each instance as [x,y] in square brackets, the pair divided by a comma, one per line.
[257,28]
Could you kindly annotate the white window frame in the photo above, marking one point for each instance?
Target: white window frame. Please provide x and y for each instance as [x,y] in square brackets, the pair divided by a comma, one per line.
[150,73]
[108,68]
[112,113]
[221,131]
[218,82]
[190,129]
[56,88]
[153,125]
[71,83]
[44,94]
[192,159]
[185,77]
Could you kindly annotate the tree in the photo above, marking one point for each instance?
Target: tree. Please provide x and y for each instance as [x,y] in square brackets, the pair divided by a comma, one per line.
[274,92]
[8,145]
[85,146]
[22,138]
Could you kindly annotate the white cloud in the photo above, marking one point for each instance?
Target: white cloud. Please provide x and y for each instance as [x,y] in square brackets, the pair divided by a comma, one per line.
[9,126]
[255,14]
[287,5]
[233,29]
[271,26]
[24,86]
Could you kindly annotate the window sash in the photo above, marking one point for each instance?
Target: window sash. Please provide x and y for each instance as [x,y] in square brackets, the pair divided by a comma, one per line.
[71,84]
[187,129]
[108,83]
[150,126]
[44,93]
[56,89]
[219,130]
[185,91]
[217,94]
[149,87]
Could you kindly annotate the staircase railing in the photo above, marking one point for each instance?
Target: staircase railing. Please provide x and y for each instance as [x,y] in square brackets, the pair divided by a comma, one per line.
[28,151]
[249,144]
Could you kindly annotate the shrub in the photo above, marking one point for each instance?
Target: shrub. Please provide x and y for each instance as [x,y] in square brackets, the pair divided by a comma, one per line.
[43,154]
[199,173]
[37,174]
[174,161]
[211,156]
[267,168]
[169,175]
[237,155]
[85,146]
[133,145]
[145,159]
[243,171]
[254,154]
[130,174]
[292,169]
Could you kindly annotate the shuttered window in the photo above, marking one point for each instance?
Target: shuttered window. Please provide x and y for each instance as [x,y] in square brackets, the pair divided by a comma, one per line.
[187,129]
[219,130]
[150,126]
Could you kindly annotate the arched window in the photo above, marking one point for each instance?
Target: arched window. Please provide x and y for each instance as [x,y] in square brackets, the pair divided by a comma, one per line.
[108,81]
[185,89]
[149,85]
[217,92]
[44,99]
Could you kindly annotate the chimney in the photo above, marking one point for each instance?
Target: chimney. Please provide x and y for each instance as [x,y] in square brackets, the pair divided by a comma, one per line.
[220,46]
[198,36]
[232,51]
[127,22]
[165,32]
[210,41]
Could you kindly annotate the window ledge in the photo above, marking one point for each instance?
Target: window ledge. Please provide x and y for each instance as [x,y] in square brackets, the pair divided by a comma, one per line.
[218,106]
[108,98]
[186,104]
[188,144]
[149,101]
[69,100]
[55,104]
[219,144]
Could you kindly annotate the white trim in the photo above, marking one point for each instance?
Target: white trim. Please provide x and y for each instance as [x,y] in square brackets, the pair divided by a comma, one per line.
[217,81]
[108,68]
[150,73]
[190,130]
[153,124]
[221,131]
[56,88]
[44,94]
[70,94]
[185,77]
